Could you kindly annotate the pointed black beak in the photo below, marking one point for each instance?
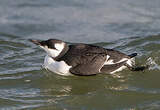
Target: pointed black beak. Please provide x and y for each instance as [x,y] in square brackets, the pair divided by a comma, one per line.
[37,42]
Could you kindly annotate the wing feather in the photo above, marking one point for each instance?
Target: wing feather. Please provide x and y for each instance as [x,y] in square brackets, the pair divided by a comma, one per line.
[92,67]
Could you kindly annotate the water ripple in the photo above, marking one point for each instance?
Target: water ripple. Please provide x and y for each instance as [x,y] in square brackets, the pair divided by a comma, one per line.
[126,26]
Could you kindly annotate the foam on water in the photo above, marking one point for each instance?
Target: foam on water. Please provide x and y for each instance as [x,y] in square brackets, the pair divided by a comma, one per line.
[152,64]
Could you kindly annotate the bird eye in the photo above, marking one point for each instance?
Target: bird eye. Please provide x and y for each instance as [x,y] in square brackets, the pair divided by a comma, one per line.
[43,43]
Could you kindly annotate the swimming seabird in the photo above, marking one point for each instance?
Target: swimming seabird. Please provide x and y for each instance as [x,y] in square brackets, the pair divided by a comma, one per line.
[83,59]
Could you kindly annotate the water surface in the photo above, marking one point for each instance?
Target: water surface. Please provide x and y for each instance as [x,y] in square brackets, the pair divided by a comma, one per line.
[127,26]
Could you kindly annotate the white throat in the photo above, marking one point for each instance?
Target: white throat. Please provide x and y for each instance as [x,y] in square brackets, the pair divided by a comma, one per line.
[54,52]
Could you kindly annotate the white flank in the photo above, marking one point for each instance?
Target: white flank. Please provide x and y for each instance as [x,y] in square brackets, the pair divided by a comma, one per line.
[130,62]
[107,57]
[119,69]
[109,62]
[60,68]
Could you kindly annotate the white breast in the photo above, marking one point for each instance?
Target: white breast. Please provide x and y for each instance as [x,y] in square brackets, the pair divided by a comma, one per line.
[60,68]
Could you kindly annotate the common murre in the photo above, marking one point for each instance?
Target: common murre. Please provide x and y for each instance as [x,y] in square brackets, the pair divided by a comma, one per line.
[84,59]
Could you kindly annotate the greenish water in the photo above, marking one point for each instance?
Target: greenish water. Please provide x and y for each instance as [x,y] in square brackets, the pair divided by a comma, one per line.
[124,25]
[24,85]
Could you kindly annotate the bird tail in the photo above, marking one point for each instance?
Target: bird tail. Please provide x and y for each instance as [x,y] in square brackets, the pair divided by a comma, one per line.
[137,68]
[134,67]
[132,55]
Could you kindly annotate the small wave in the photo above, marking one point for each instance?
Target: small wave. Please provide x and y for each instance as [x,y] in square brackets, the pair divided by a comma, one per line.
[152,64]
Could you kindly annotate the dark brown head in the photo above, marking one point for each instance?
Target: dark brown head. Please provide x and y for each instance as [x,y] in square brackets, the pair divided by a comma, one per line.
[53,47]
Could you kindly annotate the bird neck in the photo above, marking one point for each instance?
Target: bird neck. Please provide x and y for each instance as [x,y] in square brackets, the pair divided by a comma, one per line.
[65,49]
